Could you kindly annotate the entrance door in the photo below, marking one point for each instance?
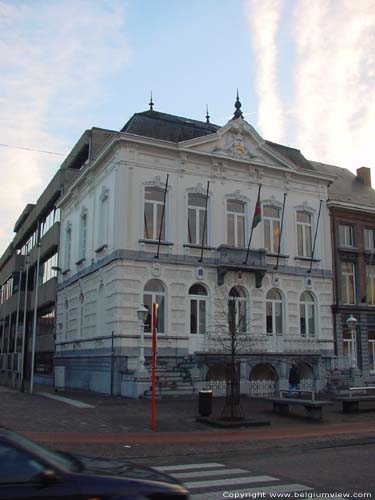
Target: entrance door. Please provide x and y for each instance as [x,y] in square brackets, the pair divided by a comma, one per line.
[198,317]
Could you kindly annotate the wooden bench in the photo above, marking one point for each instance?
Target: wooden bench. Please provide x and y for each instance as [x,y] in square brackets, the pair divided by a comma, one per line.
[313,408]
[356,396]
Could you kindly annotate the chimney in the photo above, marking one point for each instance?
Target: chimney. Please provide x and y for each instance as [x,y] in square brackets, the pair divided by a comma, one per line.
[364,173]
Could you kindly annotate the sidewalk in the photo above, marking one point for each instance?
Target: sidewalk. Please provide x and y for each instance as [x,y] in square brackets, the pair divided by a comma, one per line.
[116,426]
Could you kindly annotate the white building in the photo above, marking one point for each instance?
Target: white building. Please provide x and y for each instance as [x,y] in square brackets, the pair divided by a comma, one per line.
[111,262]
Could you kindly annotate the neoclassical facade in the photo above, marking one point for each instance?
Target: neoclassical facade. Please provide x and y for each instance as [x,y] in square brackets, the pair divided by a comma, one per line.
[163,213]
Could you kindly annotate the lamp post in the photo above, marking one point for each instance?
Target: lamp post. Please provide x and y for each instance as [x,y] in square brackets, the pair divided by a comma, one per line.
[142,313]
[352,324]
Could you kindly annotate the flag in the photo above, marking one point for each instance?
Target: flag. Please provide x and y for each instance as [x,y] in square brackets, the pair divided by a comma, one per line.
[257,212]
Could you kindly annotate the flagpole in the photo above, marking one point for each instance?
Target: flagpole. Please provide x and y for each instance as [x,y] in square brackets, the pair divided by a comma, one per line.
[205,221]
[316,233]
[162,216]
[252,225]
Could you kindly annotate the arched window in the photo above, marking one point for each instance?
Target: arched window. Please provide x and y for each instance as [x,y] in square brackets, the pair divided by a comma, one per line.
[68,246]
[274,312]
[83,236]
[154,291]
[235,223]
[271,227]
[307,314]
[304,229]
[154,201]
[198,309]
[196,218]
[237,310]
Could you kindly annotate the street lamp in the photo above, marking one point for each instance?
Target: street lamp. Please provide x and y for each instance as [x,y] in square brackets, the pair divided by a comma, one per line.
[352,325]
[142,313]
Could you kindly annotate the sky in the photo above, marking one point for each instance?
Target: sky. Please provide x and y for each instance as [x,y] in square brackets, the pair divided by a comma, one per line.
[305,72]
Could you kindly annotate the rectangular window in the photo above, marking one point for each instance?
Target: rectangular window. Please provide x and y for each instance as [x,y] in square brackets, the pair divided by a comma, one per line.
[346,235]
[370,293]
[235,223]
[371,350]
[197,223]
[348,283]
[369,239]
[304,228]
[153,211]
[271,228]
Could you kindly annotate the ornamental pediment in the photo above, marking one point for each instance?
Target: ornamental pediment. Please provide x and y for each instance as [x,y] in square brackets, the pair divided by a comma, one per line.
[240,141]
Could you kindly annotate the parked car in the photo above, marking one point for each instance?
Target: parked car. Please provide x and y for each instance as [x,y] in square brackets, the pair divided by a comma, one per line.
[31,471]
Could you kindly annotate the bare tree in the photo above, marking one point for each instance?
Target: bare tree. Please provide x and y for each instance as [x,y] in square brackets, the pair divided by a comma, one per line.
[228,333]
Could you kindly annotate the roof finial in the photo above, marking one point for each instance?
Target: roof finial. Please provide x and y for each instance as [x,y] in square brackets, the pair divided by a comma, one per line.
[237,105]
[151,104]
[207,115]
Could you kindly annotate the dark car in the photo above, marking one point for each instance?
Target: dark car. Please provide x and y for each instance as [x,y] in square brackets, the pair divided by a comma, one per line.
[28,470]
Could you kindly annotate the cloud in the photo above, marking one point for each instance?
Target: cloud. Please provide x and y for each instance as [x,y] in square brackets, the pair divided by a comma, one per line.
[330,78]
[264,19]
[55,58]
[335,81]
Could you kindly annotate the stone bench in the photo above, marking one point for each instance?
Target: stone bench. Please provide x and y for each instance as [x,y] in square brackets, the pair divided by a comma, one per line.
[356,396]
[313,408]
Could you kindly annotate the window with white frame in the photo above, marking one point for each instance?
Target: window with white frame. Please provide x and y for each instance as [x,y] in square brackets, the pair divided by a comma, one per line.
[154,292]
[307,314]
[271,228]
[348,283]
[237,310]
[83,236]
[103,218]
[370,291]
[304,232]
[274,312]
[153,212]
[196,219]
[371,350]
[346,235]
[235,223]
[68,246]
[369,239]
[198,309]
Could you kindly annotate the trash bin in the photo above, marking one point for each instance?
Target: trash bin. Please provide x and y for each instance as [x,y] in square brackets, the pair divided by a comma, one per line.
[205,403]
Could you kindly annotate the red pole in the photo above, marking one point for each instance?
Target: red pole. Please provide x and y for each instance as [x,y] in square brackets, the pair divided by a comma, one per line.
[153,365]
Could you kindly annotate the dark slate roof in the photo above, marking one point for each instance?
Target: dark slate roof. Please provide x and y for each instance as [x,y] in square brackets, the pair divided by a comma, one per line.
[347,187]
[167,127]
[293,155]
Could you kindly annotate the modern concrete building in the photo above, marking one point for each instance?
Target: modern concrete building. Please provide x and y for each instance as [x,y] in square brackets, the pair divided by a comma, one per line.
[24,290]
[163,213]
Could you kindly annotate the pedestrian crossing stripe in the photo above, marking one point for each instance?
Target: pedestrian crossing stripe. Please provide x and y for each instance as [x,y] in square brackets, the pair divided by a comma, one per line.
[170,468]
[206,482]
[202,473]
